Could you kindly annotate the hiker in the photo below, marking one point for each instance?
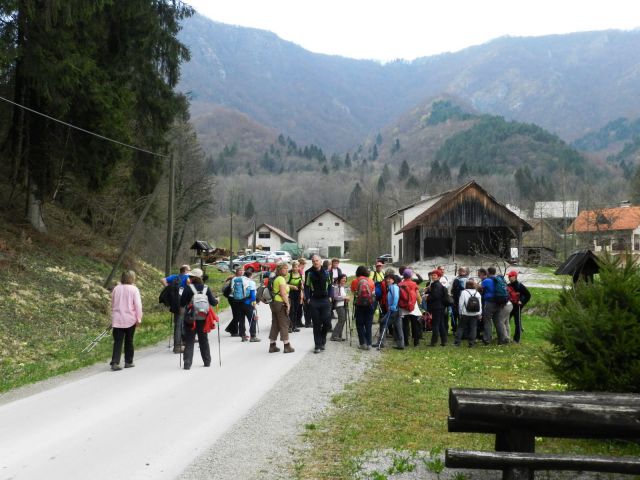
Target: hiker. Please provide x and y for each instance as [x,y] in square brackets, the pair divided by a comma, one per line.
[181,280]
[416,277]
[318,290]
[393,297]
[296,297]
[238,291]
[519,296]
[378,278]
[249,310]
[493,301]
[363,299]
[334,273]
[470,311]
[457,287]
[341,304]
[410,308]
[280,311]
[195,302]
[305,299]
[435,305]
[126,314]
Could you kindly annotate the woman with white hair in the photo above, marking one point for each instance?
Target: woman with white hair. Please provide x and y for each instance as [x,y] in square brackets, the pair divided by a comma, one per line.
[126,314]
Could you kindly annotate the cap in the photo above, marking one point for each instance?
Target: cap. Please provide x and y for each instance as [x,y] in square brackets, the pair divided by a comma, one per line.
[196,272]
[512,273]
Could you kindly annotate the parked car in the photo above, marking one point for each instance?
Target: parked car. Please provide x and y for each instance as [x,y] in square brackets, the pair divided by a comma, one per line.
[386,258]
[282,256]
[255,262]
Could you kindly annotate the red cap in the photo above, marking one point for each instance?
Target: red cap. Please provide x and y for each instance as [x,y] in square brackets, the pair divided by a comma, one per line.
[512,273]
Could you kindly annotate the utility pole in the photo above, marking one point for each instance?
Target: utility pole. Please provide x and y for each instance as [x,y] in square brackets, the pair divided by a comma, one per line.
[170,207]
[231,240]
[254,233]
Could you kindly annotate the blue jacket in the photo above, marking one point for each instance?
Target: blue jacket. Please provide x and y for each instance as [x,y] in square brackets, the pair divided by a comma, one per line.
[393,296]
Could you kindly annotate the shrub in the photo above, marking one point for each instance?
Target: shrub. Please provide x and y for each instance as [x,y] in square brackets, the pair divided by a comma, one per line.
[595,331]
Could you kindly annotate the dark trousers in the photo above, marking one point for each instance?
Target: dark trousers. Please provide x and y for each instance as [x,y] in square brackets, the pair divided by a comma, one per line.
[237,313]
[295,309]
[438,326]
[307,314]
[516,313]
[412,322]
[245,311]
[467,329]
[203,342]
[178,335]
[320,311]
[121,335]
[364,322]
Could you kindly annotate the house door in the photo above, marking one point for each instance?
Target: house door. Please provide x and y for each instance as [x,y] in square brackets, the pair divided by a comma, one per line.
[400,252]
[334,252]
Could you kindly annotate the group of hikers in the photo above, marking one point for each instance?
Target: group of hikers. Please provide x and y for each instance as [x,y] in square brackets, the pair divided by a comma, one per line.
[314,297]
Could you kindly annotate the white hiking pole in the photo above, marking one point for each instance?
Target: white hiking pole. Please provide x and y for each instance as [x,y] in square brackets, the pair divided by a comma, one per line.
[96,340]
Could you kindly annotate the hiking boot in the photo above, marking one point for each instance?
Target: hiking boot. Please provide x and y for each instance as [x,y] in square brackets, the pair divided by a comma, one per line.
[245,338]
[288,348]
[295,329]
[178,349]
[115,367]
[207,364]
[273,348]
[316,350]
[254,339]
[187,367]
[129,365]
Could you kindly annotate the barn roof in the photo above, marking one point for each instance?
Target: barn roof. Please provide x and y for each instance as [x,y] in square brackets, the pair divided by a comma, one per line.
[448,198]
[275,230]
[606,219]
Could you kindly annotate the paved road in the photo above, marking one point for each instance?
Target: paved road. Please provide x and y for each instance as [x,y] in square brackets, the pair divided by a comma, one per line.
[143,422]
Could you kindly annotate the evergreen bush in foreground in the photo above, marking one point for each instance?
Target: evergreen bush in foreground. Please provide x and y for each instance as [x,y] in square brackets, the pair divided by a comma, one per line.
[595,331]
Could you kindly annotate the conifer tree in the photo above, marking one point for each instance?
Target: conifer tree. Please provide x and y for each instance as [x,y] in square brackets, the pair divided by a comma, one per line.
[380,187]
[404,171]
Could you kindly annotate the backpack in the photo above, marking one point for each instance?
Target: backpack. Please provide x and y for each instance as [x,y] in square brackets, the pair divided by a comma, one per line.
[473,303]
[427,321]
[199,306]
[447,299]
[226,290]
[364,295]
[170,296]
[263,293]
[514,295]
[238,289]
[500,286]
[407,299]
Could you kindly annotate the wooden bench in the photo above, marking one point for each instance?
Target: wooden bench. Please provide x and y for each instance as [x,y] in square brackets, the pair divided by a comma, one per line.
[517,417]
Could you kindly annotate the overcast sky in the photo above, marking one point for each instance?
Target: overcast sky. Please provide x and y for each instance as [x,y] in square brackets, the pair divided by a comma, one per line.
[390,29]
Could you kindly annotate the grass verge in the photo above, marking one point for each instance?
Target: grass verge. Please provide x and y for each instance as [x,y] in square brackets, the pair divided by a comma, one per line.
[402,404]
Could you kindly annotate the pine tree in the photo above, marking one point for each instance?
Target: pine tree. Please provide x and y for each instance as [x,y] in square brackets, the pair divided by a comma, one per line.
[404,170]
[249,209]
[325,170]
[386,173]
[412,183]
[374,153]
[347,161]
[380,187]
[356,198]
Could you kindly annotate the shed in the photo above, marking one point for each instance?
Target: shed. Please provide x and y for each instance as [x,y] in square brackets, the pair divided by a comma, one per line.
[581,264]
[328,232]
[466,220]
[269,238]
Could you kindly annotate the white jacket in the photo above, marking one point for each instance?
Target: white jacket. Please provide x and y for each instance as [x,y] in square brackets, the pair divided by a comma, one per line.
[464,297]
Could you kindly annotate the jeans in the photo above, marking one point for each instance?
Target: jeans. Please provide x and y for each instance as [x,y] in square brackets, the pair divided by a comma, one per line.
[120,335]
[364,322]
[320,312]
[248,312]
[203,342]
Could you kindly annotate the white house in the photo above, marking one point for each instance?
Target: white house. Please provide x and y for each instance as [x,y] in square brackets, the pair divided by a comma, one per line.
[268,237]
[399,218]
[330,233]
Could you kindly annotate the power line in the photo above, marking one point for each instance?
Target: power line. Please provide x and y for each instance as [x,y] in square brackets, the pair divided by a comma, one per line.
[133,147]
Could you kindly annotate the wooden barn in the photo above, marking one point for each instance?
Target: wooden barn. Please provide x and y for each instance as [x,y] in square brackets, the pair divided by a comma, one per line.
[463,221]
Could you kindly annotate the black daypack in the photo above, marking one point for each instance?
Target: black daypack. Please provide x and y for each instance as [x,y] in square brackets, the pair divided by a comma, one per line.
[473,303]
[170,296]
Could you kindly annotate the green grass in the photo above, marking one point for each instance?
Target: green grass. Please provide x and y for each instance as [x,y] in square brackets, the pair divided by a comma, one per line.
[402,404]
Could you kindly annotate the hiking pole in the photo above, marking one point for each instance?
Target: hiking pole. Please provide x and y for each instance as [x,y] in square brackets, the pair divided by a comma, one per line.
[384,330]
[219,353]
[96,340]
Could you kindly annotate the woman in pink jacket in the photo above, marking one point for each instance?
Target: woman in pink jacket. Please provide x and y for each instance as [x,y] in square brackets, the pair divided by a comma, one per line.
[126,314]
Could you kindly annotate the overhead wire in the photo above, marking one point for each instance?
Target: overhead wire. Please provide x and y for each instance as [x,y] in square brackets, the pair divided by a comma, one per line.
[84,130]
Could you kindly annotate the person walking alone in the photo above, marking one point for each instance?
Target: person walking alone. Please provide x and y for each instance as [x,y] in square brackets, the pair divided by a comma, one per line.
[126,314]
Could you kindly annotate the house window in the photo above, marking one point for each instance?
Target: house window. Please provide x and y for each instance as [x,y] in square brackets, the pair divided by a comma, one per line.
[319,224]
[337,224]
[394,250]
[264,235]
[636,241]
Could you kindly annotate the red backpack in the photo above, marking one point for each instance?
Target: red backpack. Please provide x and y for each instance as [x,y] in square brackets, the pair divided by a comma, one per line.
[514,296]
[364,295]
[408,295]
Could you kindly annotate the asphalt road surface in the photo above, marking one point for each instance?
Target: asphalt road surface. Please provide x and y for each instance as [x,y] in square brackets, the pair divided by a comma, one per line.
[150,421]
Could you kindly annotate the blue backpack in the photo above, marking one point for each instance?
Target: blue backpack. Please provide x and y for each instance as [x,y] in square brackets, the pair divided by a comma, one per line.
[237,289]
[501,295]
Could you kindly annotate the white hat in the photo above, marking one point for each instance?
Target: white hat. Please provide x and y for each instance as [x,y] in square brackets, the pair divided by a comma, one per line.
[196,272]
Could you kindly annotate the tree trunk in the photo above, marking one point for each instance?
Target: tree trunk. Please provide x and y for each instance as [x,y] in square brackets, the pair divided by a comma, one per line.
[34,208]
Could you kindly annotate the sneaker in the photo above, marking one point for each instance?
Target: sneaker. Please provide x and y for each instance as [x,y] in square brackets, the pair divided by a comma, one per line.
[129,365]
[316,350]
[115,367]
[335,339]
[322,347]
[273,348]
[288,348]
[254,339]
[245,338]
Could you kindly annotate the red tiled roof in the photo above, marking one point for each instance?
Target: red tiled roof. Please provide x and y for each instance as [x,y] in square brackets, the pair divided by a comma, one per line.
[606,219]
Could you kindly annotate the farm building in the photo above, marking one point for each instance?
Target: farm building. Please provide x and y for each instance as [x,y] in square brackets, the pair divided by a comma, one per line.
[329,232]
[268,238]
[463,221]
[609,229]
